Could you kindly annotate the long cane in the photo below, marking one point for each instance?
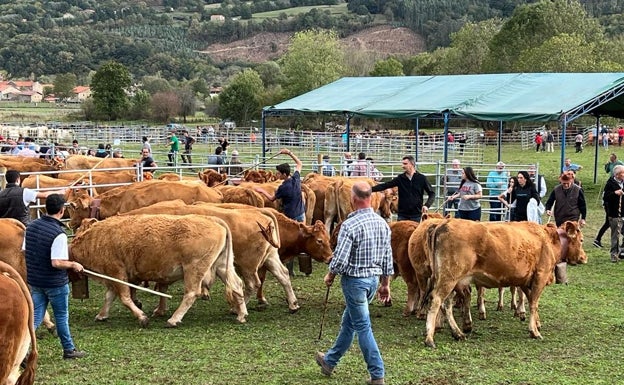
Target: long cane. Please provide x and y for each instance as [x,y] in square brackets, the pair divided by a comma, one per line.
[324,312]
[93,273]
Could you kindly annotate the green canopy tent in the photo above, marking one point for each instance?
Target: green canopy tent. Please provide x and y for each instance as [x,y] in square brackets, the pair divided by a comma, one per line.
[537,97]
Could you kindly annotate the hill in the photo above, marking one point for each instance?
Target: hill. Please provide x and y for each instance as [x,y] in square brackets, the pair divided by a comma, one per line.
[381,40]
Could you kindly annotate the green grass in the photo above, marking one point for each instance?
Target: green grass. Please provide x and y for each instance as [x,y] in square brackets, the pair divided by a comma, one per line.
[582,326]
[334,9]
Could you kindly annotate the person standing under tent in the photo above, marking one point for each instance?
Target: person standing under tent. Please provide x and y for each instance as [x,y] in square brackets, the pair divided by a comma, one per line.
[496,182]
[550,141]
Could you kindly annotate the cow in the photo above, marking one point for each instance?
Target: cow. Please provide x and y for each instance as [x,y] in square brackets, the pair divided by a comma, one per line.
[25,164]
[17,329]
[83,162]
[259,176]
[11,253]
[255,244]
[295,238]
[141,194]
[522,254]
[308,196]
[106,180]
[172,177]
[193,248]
[237,194]
[318,184]
[338,201]
[212,178]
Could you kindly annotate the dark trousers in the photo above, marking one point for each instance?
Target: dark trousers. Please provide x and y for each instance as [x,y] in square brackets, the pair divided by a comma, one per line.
[186,157]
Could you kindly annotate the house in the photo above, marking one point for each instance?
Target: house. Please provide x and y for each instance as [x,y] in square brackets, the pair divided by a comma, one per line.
[215,91]
[25,85]
[81,93]
[217,18]
[28,97]
[8,92]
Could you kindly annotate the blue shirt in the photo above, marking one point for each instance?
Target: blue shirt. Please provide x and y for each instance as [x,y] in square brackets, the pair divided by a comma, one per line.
[363,246]
[497,182]
[290,194]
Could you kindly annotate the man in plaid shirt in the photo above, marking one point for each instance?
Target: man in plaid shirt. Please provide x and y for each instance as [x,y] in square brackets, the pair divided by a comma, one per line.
[363,255]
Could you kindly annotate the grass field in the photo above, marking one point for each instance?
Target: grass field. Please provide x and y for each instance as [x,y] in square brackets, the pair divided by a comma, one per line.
[582,325]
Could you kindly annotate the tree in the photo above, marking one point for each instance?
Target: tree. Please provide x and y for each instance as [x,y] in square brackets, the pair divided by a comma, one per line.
[240,100]
[165,105]
[388,67]
[532,24]
[188,102]
[63,85]
[108,88]
[270,73]
[314,58]
[140,105]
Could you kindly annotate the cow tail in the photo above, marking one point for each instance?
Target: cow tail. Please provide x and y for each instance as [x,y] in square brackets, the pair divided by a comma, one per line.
[28,375]
[232,280]
[430,250]
[271,231]
[255,198]
[310,204]
[337,190]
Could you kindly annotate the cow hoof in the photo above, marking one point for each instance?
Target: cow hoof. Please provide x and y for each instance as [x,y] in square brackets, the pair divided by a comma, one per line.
[467,328]
[241,320]
[535,335]
[388,303]
[522,316]
[482,316]
[262,306]
[100,319]
[499,308]
[407,313]
[52,331]
[459,336]
[171,325]
[429,343]
[159,313]
[143,321]
[294,310]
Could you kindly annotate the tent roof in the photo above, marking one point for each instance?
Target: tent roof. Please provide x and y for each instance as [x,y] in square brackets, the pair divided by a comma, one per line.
[500,97]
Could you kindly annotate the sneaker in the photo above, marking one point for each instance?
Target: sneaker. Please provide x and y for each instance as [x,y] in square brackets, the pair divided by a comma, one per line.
[376,381]
[71,354]
[597,243]
[325,368]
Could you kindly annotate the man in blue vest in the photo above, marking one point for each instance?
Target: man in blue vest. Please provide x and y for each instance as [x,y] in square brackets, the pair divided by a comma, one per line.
[47,259]
[14,200]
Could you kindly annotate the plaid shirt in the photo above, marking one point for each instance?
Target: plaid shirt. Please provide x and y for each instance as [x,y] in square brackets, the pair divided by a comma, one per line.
[363,246]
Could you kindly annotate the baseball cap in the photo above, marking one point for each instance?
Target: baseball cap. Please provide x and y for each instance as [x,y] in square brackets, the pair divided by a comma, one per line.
[234,152]
[500,164]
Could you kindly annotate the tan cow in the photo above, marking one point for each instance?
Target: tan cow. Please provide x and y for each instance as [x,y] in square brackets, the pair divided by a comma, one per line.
[295,238]
[237,194]
[137,195]
[193,248]
[522,254]
[212,178]
[253,246]
[172,177]
[308,196]
[17,330]
[107,180]
[28,164]
[11,253]
[82,162]
[338,201]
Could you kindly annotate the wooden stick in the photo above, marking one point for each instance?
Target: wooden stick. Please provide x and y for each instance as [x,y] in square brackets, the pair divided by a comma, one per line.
[86,172]
[324,312]
[249,168]
[93,273]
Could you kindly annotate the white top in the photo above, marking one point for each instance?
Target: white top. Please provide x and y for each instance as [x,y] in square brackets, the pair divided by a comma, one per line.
[29,196]
[59,248]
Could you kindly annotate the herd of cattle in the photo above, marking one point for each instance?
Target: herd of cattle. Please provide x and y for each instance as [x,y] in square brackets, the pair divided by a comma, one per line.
[163,231]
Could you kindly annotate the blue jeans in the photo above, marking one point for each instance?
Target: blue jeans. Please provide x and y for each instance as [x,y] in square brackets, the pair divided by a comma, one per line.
[472,215]
[358,293]
[58,297]
[496,209]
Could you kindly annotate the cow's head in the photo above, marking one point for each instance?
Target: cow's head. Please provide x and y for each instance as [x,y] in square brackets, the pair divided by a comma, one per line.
[333,240]
[571,232]
[385,204]
[316,241]
[211,177]
[57,163]
[433,215]
[79,206]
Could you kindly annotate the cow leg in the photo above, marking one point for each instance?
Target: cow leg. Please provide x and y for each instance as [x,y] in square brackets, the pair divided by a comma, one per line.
[275,266]
[49,325]
[464,292]
[124,296]
[161,309]
[412,298]
[448,312]
[520,311]
[501,299]
[109,297]
[436,297]
[421,311]
[481,302]
[262,301]
[193,279]
[234,291]
[514,298]
[534,324]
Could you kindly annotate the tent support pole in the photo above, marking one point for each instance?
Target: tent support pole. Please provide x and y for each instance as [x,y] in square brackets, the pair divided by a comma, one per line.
[417,136]
[446,126]
[348,124]
[499,141]
[563,141]
[596,149]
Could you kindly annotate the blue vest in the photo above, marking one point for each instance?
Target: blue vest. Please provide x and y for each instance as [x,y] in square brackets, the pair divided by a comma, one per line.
[40,235]
[12,204]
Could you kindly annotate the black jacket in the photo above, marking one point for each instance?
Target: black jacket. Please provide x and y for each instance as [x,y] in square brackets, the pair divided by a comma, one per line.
[410,192]
[612,201]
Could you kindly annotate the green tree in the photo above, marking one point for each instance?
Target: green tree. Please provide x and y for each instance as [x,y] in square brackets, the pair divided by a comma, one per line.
[270,73]
[532,24]
[240,100]
[64,84]
[140,105]
[188,102]
[388,67]
[314,58]
[108,88]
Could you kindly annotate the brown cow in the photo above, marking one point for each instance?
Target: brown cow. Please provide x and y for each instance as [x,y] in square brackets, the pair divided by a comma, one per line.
[522,254]
[259,176]
[11,253]
[212,178]
[82,162]
[107,180]
[252,248]
[295,238]
[141,194]
[172,177]
[308,196]
[193,248]
[17,330]
[237,194]
[29,164]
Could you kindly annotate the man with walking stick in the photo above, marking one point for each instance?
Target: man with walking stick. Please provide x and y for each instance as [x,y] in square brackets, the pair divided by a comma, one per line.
[47,259]
[363,259]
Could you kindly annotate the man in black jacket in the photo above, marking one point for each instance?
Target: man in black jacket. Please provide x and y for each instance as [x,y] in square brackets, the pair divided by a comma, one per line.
[412,185]
[613,202]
